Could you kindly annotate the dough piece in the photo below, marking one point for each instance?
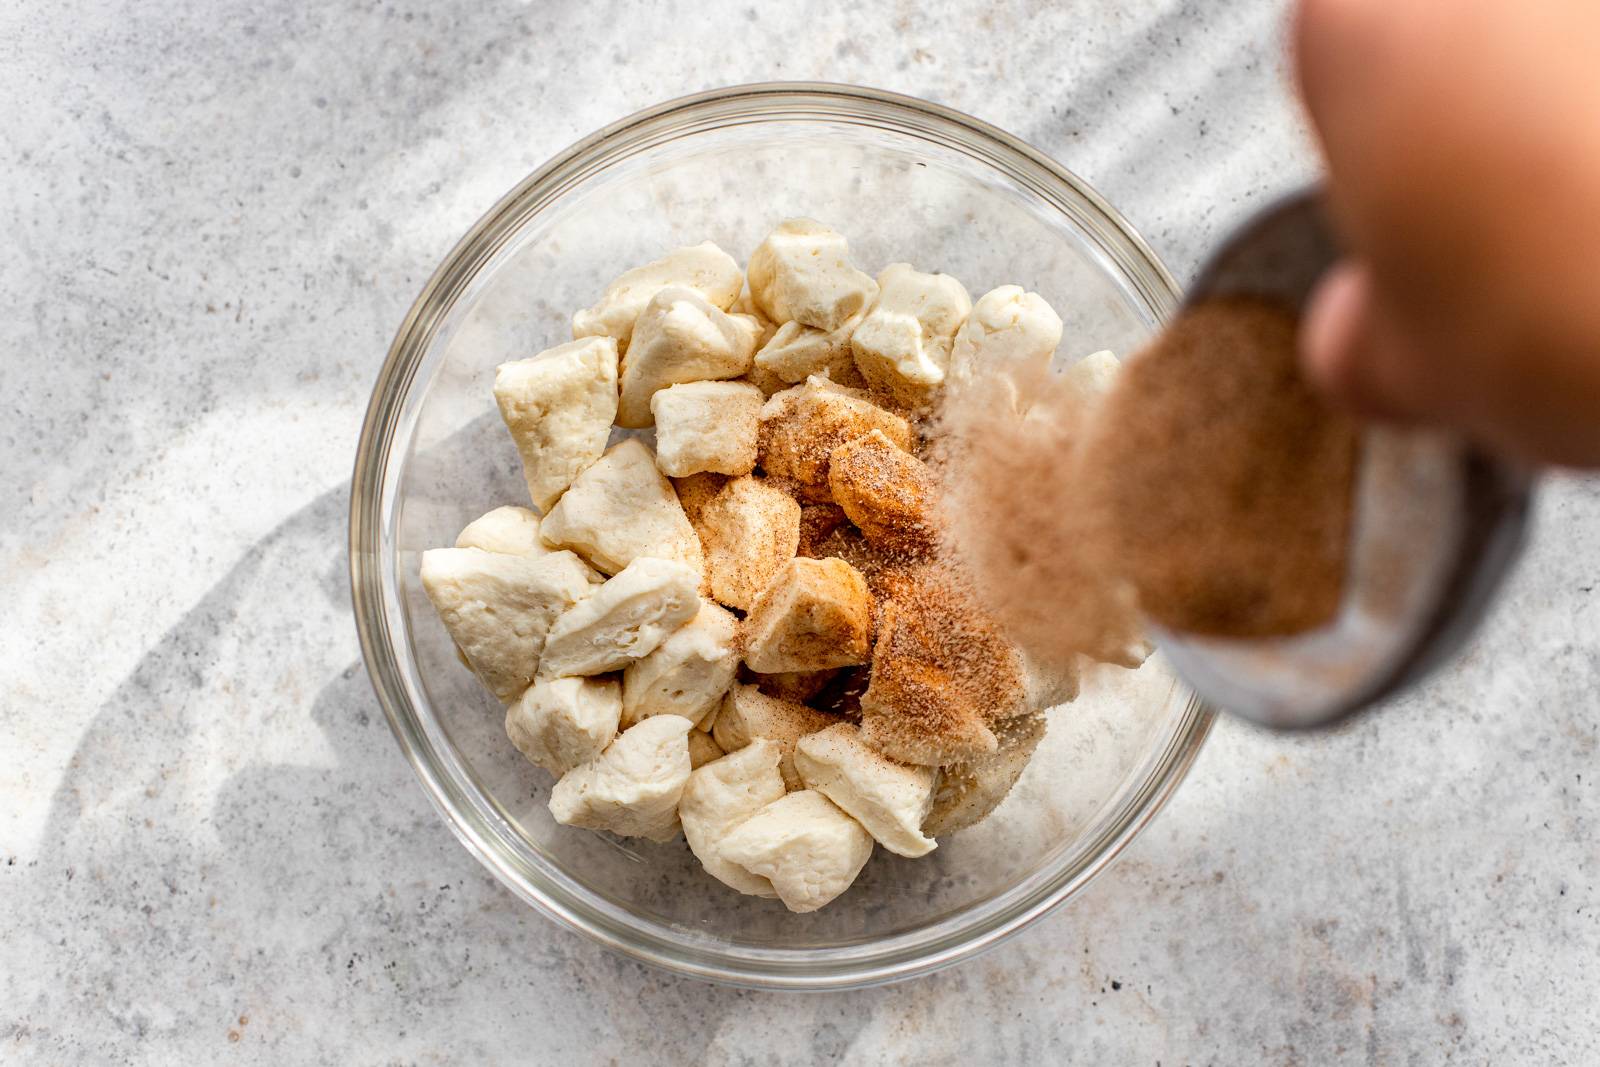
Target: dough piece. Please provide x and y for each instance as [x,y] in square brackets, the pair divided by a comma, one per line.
[913,710]
[889,799]
[703,749]
[946,625]
[498,608]
[632,788]
[1094,374]
[747,713]
[680,338]
[749,531]
[510,530]
[704,268]
[559,723]
[559,407]
[804,845]
[1009,332]
[816,614]
[795,352]
[620,509]
[968,792]
[722,795]
[696,491]
[761,328]
[801,426]
[887,492]
[1132,655]
[802,273]
[626,619]
[688,673]
[706,426]
[902,346]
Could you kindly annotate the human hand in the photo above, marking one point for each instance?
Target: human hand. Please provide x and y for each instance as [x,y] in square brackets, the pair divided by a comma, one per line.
[1462,139]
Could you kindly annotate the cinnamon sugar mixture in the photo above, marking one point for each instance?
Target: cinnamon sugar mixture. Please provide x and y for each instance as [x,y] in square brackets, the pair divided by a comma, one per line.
[1209,490]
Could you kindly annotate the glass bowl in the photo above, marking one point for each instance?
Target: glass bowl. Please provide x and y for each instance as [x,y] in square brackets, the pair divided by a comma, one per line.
[903,180]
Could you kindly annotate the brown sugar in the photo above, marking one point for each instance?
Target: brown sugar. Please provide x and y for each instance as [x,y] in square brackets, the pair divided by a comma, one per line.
[1224,481]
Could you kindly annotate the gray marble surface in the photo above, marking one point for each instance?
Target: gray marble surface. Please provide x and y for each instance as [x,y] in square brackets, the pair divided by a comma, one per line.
[215,215]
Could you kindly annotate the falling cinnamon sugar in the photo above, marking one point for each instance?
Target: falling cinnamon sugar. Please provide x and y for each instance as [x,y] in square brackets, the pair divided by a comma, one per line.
[1225,481]
[1017,519]
[1210,490]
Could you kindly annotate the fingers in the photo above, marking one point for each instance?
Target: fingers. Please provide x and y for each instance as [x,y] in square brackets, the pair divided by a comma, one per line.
[1352,353]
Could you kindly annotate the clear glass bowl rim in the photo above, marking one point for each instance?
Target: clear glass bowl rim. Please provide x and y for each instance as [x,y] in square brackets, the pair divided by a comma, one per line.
[922,950]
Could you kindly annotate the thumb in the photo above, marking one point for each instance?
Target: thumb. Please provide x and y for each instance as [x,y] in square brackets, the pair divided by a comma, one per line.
[1352,353]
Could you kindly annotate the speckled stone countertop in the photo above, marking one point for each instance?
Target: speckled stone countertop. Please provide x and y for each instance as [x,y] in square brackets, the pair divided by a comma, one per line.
[214,217]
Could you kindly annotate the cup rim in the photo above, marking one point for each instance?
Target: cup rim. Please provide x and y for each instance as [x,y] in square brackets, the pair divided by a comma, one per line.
[933,946]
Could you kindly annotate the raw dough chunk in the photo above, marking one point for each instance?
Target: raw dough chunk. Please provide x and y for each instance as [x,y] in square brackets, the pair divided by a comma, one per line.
[1089,379]
[688,673]
[704,267]
[624,620]
[1094,374]
[1132,655]
[1008,332]
[498,608]
[946,625]
[968,792]
[889,493]
[695,492]
[761,328]
[721,796]
[632,788]
[620,509]
[703,749]
[800,428]
[796,352]
[889,799]
[680,338]
[510,530]
[902,346]
[805,846]
[749,531]
[559,407]
[706,426]
[816,614]
[559,723]
[802,273]
[747,713]
[913,710]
